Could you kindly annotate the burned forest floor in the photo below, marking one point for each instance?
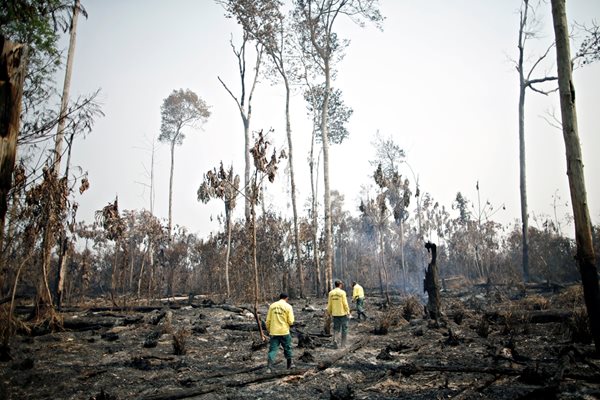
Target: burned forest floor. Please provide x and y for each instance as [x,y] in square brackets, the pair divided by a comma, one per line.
[492,343]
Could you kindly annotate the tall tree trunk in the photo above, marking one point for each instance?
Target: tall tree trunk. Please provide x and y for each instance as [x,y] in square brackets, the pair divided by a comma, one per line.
[64,103]
[228,222]
[247,164]
[139,283]
[170,227]
[63,248]
[327,194]
[12,74]
[404,276]
[131,264]
[113,275]
[255,261]
[583,226]
[315,223]
[58,144]
[288,129]
[383,267]
[522,165]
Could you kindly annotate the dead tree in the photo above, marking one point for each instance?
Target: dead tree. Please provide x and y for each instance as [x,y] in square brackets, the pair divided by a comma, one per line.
[12,74]
[431,284]
[264,167]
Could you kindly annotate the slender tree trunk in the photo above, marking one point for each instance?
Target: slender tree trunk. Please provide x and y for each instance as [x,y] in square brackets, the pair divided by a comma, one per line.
[247,165]
[151,268]
[12,74]
[583,225]
[113,275]
[131,264]
[170,227]
[139,284]
[522,163]
[63,248]
[64,103]
[315,221]
[58,144]
[288,129]
[255,261]
[383,267]
[327,194]
[228,222]
[404,276]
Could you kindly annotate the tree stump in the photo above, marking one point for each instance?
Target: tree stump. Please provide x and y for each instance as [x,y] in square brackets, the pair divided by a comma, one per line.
[431,284]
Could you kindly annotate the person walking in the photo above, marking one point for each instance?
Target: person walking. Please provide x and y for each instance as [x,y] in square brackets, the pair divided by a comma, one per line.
[279,319]
[358,295]
[337,307]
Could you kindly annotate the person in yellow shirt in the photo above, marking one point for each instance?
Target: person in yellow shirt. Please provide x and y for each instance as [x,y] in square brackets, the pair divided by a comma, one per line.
[337,307]
[279,319]
[358,295]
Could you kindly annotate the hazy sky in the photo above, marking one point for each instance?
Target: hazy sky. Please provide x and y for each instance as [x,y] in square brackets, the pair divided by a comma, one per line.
[438,79]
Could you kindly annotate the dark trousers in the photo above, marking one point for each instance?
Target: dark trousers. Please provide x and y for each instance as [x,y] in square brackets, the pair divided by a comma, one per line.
[285,341]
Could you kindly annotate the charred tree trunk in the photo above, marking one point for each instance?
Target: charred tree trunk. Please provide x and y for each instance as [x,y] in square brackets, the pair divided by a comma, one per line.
[583,226]
[12,74]
[431,284]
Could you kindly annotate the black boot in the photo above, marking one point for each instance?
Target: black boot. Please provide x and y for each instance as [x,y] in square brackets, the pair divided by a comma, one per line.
[270,366]
[290,363]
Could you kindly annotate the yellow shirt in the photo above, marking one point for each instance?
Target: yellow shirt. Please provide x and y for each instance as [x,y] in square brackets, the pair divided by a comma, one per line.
[279,318]
[358,292]
[337,303]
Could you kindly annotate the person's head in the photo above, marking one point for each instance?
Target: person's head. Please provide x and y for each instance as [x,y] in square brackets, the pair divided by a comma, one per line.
[283,296]
[353,283]
[338,283]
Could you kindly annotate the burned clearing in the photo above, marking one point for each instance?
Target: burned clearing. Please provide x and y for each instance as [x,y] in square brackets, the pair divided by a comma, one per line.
[492,342]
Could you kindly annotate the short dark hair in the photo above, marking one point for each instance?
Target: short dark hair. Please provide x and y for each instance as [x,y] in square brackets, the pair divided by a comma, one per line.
[283,296]
[337,283]
[353,283]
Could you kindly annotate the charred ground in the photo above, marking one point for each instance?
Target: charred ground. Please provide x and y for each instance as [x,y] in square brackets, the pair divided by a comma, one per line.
[493,342]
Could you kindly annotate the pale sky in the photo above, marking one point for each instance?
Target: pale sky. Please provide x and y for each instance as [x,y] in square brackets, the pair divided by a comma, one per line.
[438,79]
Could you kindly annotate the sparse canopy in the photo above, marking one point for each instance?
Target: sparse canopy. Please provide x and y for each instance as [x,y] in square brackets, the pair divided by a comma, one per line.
[182,108]
[338,113]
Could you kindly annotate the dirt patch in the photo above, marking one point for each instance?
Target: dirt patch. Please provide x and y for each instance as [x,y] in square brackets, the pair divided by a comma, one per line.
[491,344]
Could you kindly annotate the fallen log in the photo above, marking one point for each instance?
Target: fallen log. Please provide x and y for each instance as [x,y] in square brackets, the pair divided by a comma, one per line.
[87,324]
[178,394]
[534,316]
[341,354]
[247,327]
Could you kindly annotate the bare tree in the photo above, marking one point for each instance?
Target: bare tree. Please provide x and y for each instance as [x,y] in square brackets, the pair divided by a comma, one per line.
[244,102]
[527,30]
[586,258]
[181,109]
